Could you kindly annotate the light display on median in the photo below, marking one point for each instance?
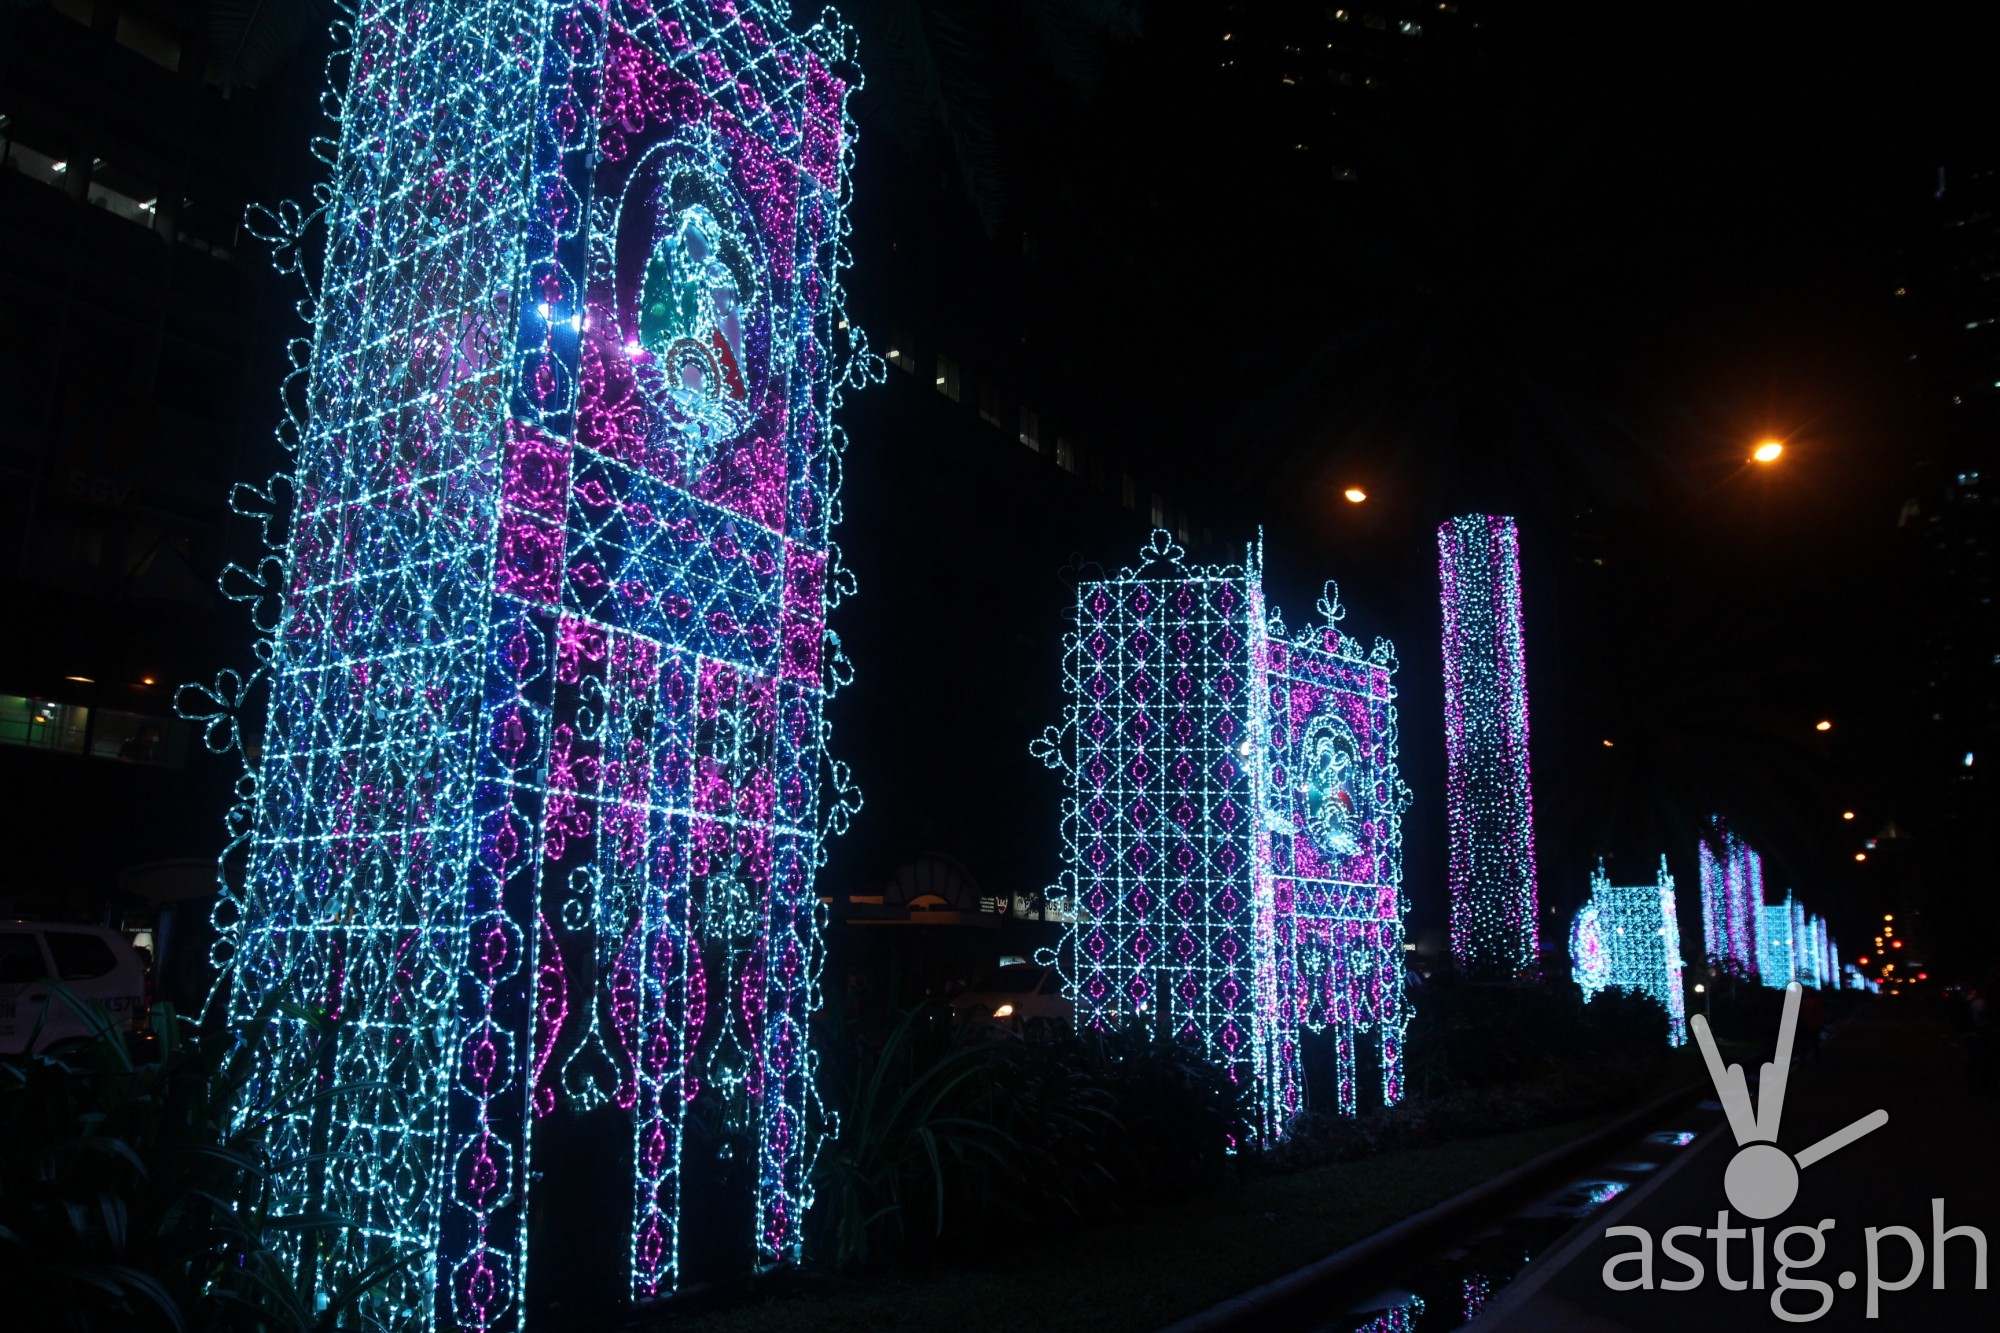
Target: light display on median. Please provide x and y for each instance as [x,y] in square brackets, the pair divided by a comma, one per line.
[544,780]
[1628,937]
[1233,825]
[1489,787]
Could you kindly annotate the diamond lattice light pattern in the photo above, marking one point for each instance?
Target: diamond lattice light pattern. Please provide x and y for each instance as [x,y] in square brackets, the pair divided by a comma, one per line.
[1629,937]
[1732,899]
[1233,826]
[544,780]
[1489,790]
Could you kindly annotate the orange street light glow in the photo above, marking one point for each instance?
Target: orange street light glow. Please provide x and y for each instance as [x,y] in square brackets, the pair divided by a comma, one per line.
[1822,725]
[1770,451]
[1861,856]
[1355,495]
[1847,814]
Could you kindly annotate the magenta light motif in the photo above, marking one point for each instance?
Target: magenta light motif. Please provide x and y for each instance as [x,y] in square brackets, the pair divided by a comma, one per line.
[1234,826]
[1732,900]
[544,782]
[1489,790]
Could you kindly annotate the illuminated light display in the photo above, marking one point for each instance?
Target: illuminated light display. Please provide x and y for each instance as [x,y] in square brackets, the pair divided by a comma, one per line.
[1628,937]
[1774,944]
[1793,945]
[1233,826]
[1489,793]
[544,781]
[1732,900]
[1813,946]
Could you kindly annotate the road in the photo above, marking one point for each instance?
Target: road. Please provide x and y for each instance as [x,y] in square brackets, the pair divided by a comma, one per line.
[1940,1142]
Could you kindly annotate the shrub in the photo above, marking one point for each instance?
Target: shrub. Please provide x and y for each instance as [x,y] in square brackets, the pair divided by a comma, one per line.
[136,1194]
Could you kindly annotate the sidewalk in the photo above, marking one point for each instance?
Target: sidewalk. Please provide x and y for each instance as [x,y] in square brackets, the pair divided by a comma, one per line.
[1939,1143]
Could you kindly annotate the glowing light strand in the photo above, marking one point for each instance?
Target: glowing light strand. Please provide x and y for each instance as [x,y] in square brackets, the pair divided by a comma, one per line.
[544,778]
[1489,789]
[1233,826]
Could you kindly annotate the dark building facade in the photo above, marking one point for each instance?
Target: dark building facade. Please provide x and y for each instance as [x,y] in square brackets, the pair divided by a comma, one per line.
[137,344]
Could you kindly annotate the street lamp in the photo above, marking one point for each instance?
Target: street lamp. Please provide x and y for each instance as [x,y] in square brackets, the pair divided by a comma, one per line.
[1823,725]
[1355,495]
[1768,451]
[1847,814]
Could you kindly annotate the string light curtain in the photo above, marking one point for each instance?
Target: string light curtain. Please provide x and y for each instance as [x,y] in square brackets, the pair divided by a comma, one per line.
[1489,788]
[1233,826]
[543,782]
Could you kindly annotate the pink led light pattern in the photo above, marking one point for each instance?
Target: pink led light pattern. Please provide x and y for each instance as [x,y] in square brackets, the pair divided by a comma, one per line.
[545,783]
[1629,937]
[1489,790]
[1732,899]
[1233,826]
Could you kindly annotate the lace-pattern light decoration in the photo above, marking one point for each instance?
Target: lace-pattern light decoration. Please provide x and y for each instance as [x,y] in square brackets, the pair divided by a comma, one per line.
[1489,788]
[1629,937]
[1233,826]
[544,780]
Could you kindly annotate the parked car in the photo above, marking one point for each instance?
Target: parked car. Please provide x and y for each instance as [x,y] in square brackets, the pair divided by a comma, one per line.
[1018,995]
[98,966]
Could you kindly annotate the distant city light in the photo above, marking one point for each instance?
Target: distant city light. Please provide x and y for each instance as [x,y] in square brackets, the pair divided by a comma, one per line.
[1770,451]
[81,680]
[1355,495]
[1861,856]
[1822,725]
[1847,814]
[1967,761]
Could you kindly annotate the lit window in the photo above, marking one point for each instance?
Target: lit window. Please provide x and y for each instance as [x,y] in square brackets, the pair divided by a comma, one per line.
[947,377]
[989,402]
[43,724]
[1031,429]
[901,354]
[1065,454]
[1159,510]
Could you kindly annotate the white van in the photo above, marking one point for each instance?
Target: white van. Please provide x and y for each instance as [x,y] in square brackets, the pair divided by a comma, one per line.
[97,965]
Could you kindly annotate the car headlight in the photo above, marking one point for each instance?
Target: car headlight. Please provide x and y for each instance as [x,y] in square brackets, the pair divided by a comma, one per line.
[1004,1011]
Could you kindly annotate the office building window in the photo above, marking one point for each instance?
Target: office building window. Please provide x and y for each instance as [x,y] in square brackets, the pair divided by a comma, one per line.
[901,353]
[43,724]
[947,377]
[1065,454]
[989,401]
[1128,491]
[134,738]
[1031,429]
[1159,510]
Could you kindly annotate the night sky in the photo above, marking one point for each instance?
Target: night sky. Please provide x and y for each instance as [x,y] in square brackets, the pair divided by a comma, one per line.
[1583,273]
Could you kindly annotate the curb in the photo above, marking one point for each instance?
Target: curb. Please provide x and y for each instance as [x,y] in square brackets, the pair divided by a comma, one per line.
[1259,1306]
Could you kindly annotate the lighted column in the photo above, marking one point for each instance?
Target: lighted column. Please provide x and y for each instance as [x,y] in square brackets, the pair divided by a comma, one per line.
[544,782]
[1490,804]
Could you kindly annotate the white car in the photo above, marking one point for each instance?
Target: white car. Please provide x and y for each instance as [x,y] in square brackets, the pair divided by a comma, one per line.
[1022,996]
[98,966]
